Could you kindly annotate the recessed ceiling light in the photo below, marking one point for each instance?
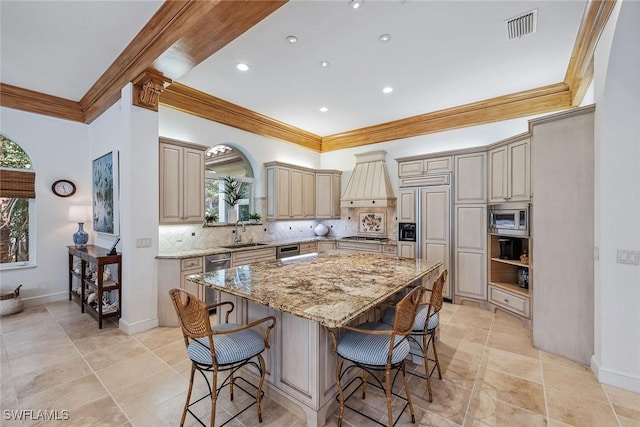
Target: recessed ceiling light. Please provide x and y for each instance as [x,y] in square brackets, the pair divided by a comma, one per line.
[385,38]
[387,89]
[324,64]
[242,67]
[355,4]
[292,39]
[323,109]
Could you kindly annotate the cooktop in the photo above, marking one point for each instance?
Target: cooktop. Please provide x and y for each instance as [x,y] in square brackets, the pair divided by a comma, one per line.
[370,238]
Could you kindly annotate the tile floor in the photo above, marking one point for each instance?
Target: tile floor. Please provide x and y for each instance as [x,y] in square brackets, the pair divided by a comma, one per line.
[54,358]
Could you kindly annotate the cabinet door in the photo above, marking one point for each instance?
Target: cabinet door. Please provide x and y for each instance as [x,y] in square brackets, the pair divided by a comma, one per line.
[283,192]
[411,168]
[435,214]
[326,246]
[335,197]
[470,178]
[519,172]
[471,251]
[296,189]
[498,175]
[324,193]
[407,206]
[309,194]
[406,249]
[257,312]
[193,188]
[190,286]
[170,184]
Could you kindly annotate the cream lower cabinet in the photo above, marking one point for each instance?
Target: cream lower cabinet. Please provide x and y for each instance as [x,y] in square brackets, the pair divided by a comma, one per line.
[326,246]
[406,249]
[510,172]
[173,273]
[251,256]
[471,252]
[181,183]
[435,228]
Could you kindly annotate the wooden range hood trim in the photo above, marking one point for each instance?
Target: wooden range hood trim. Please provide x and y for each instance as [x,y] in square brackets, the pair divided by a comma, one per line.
[191,101]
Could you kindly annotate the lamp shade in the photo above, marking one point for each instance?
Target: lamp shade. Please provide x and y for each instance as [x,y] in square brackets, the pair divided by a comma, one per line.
[79,213]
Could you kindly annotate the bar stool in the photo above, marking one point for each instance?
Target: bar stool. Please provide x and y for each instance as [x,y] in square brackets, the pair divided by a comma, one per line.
[377,346]
[222,348]
[425,329]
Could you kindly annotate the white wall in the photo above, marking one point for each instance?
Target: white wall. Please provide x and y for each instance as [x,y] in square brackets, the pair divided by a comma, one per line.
[58,149]
[617,286]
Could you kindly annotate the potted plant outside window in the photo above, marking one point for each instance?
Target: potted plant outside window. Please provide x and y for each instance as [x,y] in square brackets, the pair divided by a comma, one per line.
[232,195]
[255,217]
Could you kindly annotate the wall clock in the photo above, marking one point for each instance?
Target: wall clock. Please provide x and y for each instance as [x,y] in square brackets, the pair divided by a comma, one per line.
[63,188]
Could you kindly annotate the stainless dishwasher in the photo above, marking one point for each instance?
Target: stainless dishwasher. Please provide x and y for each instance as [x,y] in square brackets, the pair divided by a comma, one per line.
[214,263]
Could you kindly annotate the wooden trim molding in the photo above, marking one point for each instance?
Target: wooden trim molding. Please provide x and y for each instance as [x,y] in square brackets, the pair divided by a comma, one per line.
[200,104]
[147,88]
[535,101]
[39,103]
[580,70]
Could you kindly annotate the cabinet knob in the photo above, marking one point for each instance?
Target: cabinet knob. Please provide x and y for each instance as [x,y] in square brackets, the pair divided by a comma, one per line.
[373,202]
[506,300]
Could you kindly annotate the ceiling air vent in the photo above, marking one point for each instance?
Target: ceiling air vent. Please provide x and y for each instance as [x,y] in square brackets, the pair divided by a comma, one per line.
[522,25]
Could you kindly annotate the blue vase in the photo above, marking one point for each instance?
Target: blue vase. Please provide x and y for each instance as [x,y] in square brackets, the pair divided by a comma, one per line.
[80,237]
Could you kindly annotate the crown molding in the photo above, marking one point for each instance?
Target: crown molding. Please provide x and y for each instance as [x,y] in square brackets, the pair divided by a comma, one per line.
[39,103]
[580,69]
[191,101]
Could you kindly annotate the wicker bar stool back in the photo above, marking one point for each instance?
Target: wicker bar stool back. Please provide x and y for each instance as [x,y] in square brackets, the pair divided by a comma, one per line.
[424,329]
[377,346]
[225,347]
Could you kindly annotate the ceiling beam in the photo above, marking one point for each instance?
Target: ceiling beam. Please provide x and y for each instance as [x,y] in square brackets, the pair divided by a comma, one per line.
[580,70]
[39,103]
[535,101]
[191,101]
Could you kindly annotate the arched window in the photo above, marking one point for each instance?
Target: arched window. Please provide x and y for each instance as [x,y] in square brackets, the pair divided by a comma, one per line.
[17,205]
[225,164]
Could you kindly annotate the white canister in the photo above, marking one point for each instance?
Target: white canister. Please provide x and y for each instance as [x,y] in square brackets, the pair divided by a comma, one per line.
[321,230]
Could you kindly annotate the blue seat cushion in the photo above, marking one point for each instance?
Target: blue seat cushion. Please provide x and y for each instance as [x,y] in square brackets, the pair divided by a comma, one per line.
[418,324]
[372,349]
[230,348]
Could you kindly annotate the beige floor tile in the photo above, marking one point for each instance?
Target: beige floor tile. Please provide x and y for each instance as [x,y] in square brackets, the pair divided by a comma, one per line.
[579,412]
[486,410]
[141,398]
[559,360]
[628,422]
[579,382]
[625,403]
[513,364]
[463,331]
[460,349]
[50,376]
[516,391]
[459,372]
[111,355]
[450,401]
[172,353]
[131,370]
[101,340]
[158,337]
[67,396]
[556,423]
[36,361]
[45,344]
[29,336]
[513,343]
[506,323]
[100,413]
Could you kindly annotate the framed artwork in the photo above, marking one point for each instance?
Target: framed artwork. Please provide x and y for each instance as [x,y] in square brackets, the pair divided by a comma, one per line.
[372,223]
[106,215]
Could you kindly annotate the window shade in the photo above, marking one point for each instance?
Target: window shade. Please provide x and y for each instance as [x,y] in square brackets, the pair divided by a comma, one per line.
[17,183]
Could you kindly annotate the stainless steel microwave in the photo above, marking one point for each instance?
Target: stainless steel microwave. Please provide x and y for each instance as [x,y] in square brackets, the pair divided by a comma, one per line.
[509,219]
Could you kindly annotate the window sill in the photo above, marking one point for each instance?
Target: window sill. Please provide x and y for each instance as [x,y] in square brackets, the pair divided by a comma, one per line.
[228,224]
[17,266]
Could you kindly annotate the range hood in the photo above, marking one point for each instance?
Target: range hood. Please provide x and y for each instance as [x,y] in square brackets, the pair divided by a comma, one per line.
[369,185]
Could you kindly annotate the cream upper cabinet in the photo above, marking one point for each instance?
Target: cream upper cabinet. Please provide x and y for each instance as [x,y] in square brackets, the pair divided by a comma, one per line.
[510,173]
[327,193]
[470,178]
[181,183]
[417,167]
[407,205]
[291,192]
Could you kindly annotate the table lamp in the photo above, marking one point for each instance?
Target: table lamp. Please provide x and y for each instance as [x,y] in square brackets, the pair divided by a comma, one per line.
[79,214]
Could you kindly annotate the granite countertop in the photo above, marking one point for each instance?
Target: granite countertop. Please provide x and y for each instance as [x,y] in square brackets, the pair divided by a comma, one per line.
[263,244]
[331,288]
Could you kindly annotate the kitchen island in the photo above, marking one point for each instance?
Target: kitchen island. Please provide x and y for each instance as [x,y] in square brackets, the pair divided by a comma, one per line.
[306,295]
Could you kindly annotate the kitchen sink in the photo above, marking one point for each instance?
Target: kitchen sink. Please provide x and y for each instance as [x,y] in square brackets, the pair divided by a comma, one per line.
[244,245]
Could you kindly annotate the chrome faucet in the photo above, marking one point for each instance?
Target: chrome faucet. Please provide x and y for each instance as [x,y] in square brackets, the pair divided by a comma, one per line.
[237,239]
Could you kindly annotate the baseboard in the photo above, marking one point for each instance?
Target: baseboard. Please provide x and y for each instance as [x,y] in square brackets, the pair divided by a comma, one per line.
[615,378]
[136,327]
[45,299]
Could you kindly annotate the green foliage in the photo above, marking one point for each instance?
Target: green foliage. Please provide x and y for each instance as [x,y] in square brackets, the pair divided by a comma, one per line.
[233,190]
[255,216]
[12,155]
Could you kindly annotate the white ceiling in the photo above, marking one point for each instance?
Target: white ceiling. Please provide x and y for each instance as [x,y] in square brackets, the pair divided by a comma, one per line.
[441,54]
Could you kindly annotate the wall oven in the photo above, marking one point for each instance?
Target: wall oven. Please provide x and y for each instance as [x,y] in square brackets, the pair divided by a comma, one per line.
[510,219]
